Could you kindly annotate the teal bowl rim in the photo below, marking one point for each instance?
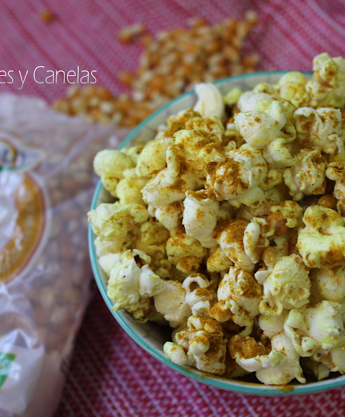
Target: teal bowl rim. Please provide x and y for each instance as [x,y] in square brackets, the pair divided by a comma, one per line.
[225,384]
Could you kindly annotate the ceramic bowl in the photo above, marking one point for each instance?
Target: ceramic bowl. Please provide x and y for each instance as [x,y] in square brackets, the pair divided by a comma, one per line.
[150,336]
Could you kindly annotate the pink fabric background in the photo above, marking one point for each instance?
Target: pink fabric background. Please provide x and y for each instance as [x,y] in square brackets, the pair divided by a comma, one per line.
[110,375]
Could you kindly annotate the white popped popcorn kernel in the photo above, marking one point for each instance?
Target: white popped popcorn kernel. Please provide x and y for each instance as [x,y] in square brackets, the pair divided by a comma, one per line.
[128,190]
[287,287]
[210,101]
[253,240]
[185,252]
[322,242]
[257,128]
[200,296]
[278,155]
[162,189]
[288,369]
[110,164]
[237,179]
[291,87]
[240,286]
[129,282]
[152,158]
[107,262]
[336,172]
[106,247]
[316,329]
[252,355]
[175,353]
[248,100]
[334,361]
[171,302]
[200,217]
[272,325]
[320,129]
[111,221]
[307,176]
[170,215]
[232,96]
[203,344]
[331,70]
[331,283]
[231,241]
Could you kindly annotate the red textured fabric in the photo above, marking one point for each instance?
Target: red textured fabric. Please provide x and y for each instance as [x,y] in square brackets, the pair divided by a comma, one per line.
[110,375]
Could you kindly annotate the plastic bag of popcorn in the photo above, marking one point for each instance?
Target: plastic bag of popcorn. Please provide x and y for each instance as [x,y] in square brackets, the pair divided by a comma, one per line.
[46,186]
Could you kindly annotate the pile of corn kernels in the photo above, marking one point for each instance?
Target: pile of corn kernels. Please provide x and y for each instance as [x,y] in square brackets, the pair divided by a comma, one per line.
[172,62]
[230,228]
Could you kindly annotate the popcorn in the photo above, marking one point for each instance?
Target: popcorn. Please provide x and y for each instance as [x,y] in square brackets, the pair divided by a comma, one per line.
[288,286]
[252,355]
[128,190]
[307,176]
[200,295]
[112,222]
[237,179]
[162,189]
[152,158]
[238,295]
[185,252]
[202,344]
[336,172]
[292,87]
[289,367]
[200,217]
[257,128]
[316,329]
[327,87]
[331,283]
[322,242]
[210,101]
[223,252]
[129,282]
[109,165]
[320,129]
[107,262]
[171,302]
[278,155]
[231,241]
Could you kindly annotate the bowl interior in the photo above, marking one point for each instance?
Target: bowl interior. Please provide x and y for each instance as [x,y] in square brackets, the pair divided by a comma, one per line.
[150,336]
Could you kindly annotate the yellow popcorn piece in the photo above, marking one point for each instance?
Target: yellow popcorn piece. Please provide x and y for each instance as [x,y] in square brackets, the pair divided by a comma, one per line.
[321,242]
[307,176]
[185,252]
[111,221]
[287,287]
[152,158]
[109,165]
[203,345]
[232,96]
[237,179]
[321,129]
[128,190]
[292,87]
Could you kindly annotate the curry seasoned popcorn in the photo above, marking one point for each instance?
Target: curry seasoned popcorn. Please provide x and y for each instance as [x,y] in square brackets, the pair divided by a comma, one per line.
[229,226]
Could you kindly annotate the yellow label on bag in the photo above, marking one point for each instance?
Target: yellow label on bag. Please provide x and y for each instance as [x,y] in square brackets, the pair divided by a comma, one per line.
[23,207]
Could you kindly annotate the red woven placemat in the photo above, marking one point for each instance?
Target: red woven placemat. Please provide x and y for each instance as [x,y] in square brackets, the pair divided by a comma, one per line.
[110,375]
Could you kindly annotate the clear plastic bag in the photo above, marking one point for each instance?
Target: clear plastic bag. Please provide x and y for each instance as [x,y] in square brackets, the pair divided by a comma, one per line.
[46,187]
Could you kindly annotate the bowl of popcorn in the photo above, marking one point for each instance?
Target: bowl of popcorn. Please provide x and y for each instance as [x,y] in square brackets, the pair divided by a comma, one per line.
[217,236]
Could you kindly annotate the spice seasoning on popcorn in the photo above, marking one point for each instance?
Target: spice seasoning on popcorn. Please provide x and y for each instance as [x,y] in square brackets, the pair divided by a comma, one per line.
[235,235]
